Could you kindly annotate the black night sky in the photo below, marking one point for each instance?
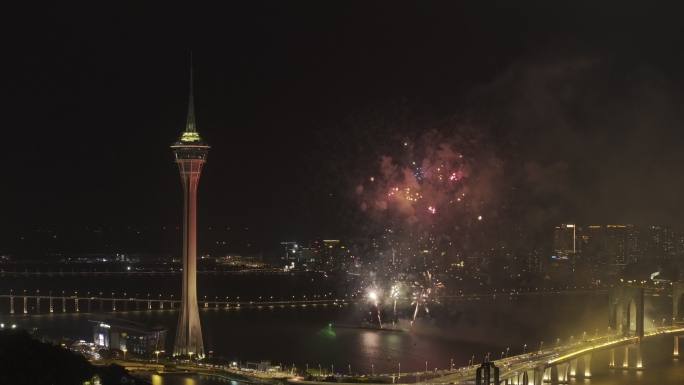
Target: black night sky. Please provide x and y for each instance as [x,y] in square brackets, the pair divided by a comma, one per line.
[299,100]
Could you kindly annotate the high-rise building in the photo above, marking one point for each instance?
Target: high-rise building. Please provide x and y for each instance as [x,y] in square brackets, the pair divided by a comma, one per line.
[191,154]
[659,243]
[615,244]
[564,241]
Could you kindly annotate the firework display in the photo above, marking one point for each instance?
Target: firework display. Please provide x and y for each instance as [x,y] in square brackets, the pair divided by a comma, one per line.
[425,293]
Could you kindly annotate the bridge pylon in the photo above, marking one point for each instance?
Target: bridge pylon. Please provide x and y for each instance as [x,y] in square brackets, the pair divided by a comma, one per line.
[626,310]
[677,312]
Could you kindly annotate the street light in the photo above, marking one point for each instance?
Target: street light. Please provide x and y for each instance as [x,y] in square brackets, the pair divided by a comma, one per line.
[524,348]
[124,350]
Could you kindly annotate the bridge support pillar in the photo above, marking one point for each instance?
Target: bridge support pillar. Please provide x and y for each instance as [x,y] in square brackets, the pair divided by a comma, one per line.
[676,346]
[25,303]
[52,308]
[563,373]
[76,304]
[113,305]
[525,379]
[573,368]
[611,360]
[149,305]
[587,366]
[11,304]
[625,360]
[639,362]
[38,304]
[539,375]
[63,304]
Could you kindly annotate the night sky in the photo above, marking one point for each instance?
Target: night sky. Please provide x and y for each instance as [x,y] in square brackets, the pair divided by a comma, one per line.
[299,100]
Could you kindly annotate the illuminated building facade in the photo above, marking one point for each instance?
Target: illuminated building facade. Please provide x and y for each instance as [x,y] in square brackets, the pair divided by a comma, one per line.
[564,241]
[191,154]
[126,335]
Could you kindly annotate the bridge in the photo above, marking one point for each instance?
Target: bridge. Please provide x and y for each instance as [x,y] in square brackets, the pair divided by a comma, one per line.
[135,273]
[35,302]
[75,303]
[558,364]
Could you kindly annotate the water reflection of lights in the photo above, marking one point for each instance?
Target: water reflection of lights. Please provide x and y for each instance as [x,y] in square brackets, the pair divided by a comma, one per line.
[370,340]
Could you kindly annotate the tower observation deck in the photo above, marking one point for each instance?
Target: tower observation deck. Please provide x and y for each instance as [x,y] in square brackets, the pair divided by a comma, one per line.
[191,154]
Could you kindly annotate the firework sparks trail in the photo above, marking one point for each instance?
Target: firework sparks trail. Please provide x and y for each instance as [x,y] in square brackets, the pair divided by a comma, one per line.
[395,292]
[425,293]
[373,298]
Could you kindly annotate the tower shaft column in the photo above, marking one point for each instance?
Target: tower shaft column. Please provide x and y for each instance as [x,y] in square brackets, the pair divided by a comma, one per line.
[189,334]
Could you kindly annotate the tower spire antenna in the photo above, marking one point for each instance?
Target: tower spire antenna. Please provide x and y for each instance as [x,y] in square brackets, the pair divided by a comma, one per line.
[191,124]
[190,134]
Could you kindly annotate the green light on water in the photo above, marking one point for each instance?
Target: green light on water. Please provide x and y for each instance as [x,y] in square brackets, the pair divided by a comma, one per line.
[328,331]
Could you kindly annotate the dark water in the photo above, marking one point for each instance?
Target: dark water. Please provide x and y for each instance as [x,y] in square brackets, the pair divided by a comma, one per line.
[457,331]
